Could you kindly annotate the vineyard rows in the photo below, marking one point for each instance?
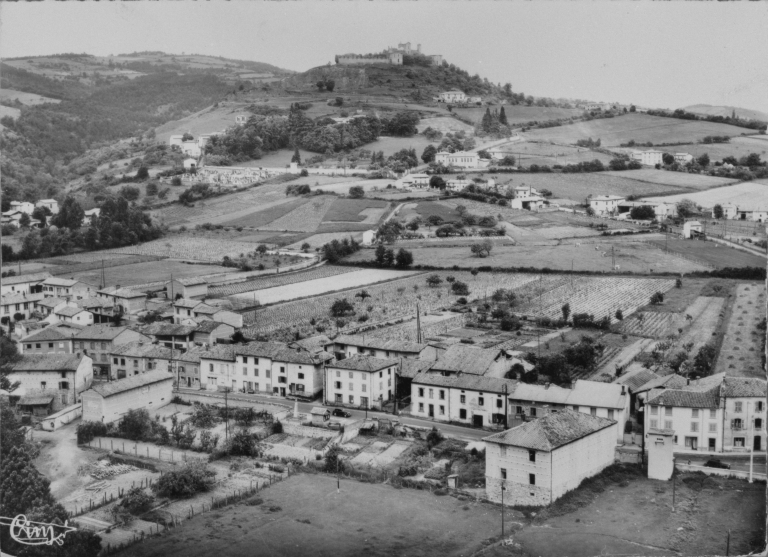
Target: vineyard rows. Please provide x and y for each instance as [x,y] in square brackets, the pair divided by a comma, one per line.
[596,296]
[648,324]
[407,331]
[270,281]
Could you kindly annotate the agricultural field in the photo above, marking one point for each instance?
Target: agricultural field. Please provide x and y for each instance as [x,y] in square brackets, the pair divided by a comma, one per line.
[306,217]
[28,99]
[323,271]
[710,253]
[752,194]
[641,128]
[742,349]
[319,240]
[517,114]
[323,285]
[667,178]
[310,519]
[208,120]
[190,248]
[528,152]
[738,147]
[445,125]
[391,145]
[639,257]
[367,211]
[143,273]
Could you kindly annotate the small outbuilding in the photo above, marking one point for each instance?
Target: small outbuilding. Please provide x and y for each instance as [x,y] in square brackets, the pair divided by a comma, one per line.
[692,229]
[109,401]
[318,415]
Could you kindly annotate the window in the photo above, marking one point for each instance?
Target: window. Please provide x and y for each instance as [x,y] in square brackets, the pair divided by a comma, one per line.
[463,414]
[301,376]
[351,375]
[463,399]
[713,427]
[431,393]
[668,411]
[480,401]
[255,372]
[442,410]
[338,399]
[256,361]
[694,426]
[338,373]
[421,407]
[737,406]
[736,424]
[135,363]
[381,374]
[421,392]
[654,410]
[531,456]
[364,387]
[533,412]
[268,373]
[442,394]
[351,399]
[351,386]
[42,384]
[759,406]
[498,403]
[738,441]
[114,361]
[337,385]
[103,357]
[50,345]
[532,479]
[37,345]
[503,473]
[694,413]
[29,347]
[245,359]
[103,345]
[667,424]
[758,423]
[212,381]
[282,369]
[712,413]
[518,409]
[654,423]
[210,367]
[610,414]
[245,371]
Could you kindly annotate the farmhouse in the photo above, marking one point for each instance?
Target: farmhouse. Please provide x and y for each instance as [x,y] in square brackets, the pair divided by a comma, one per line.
[462,358]
[360,381]
[604,205]
[713,414]
[241,119]
[124,300]
[661,210]
[208,332]
[204,312]
[51,204]
[607,400]
[461,159]
[692,229]
[108,402]
[47,306]
[683,158]
[732,211]
[452,96]
[190,163]
[456,184]
[191,287]
[347,346]
[648,158]
[51,340]
[60,378]
[89,215]
[23,284]
[72,315]
[23,206]
[100,308]
[470,399]
[22,305]
[99,341]
[178,337]
[415,180]
[538,462]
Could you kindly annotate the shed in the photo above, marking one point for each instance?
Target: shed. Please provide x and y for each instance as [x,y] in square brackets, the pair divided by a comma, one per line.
[37,404]
[319,415]
[692,229]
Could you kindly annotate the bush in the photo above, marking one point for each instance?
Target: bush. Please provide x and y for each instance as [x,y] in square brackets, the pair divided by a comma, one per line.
[86,431]
[242,443]
[333,463]
[459,288]
[137,501]
[194,477]
[202,416]
[434,438]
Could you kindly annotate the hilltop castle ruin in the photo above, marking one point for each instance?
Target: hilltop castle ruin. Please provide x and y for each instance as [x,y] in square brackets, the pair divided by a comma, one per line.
[389,56]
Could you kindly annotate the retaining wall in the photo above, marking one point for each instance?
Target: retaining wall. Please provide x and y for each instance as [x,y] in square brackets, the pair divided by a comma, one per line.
[306,431]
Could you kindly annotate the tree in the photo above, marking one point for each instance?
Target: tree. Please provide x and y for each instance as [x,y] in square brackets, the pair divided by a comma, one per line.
[437,182]
[403,259]
[129,193]
[24,220]
[152,188]
[668,158]
[192,478]
[341,307]
[704,361]
[687,208]
[434,220]
[413,226]
[296,156]
[330,84]
[333,463]
[566,309]
[459,288]
[590,211]
[142,173]
[356,192]
[390,231]
[261,249]
[644,212]
[657,298]
[187,137]
[717,211]
[434,280]
[508,160]
[503,117]
[434,438]
[428,155]
[703,160]
[380,254]
[619,315]
[482,249]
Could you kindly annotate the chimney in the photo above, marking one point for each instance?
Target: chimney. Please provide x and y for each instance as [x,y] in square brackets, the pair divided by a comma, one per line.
[623,390]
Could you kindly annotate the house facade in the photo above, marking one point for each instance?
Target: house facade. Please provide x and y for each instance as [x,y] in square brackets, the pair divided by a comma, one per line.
[538,462]
[99,341]
[23,284]
[50,340]
[22,304]
[604,205]
[461,159]
[352,345]
[360,381]
[453,96]
[124,300]
[60,378]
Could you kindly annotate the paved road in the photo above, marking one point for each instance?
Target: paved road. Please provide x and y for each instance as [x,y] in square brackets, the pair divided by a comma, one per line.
[737,463]
[239,399]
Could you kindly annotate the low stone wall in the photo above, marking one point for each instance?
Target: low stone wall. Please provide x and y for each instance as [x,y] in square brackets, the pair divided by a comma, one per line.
[287,451]
[63,417]
[293,428]
[628,456]
[351,431]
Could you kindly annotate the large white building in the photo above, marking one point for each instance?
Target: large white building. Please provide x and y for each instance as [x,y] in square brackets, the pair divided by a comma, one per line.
[108,402]
[361,381]
[538,462]
[452,96]
[648,158]
[714,414]
[461,159]
[604,205]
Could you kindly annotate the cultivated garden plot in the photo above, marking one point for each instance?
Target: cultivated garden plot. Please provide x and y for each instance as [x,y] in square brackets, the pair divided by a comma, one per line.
[195,249]
[543,153]
[651,324]
[320,286]
[707,253]
[272,281]
[701,320]
[743,345]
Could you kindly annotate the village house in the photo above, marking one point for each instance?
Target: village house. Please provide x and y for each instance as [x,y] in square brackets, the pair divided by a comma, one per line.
[263,367]
[463,358]
[99,341]
[606,400]
[124,300]
[140,357]
[452,96]
[714,414]
[50,340]
[470,399]
[361,381]
[100,308]
[52,380]
[209,332]
[90,215]
[752,213]
[648,158]
[538,462]
[683,158]
[203,312]
[47,306]
[51,204]
[313,345]
[416,180]
[23,284]
[182,309]
[605,205]
[71,314]
[23,206]
[661,210]
[456,184]
[178,337]
[18,306]
[190,287]
[109,402]
[351,345]
[190,164]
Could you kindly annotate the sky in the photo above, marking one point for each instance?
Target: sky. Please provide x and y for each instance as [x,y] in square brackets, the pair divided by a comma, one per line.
[655,54]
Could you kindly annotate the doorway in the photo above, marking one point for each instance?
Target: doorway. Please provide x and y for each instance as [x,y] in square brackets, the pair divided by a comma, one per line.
[757,444]
[477,420]
[711,445]
[282,391]
[189,382]
[431,410]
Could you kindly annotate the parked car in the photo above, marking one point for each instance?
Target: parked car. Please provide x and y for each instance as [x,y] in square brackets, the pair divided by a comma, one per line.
[341,413]
[715,463]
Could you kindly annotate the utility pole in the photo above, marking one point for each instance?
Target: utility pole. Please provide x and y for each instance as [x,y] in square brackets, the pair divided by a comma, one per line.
[613,258]
[226,414]
[418,323]
[503,489]
[541,312]
[506,425]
